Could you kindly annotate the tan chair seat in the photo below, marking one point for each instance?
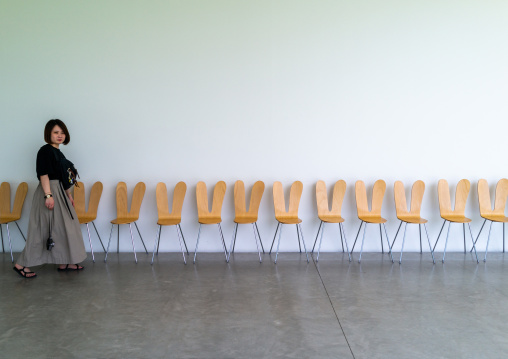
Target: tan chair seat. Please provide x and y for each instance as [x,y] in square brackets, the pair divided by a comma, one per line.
[412,219]
[372,219]
[288,220]
[496,218]
[169,221]
[124,220]
[210,220]
[9,218]
[83,219]
[246,219]
[456,218]
[331,219]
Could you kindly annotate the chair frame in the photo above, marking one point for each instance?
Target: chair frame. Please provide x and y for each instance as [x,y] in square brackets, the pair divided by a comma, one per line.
[372,216]
[242,216]
[445,209]
[333,216]
[93,204]
[413,216]
[6,215]
[176,213]
[205,216]
[487,211]
[127,217]
[289,217]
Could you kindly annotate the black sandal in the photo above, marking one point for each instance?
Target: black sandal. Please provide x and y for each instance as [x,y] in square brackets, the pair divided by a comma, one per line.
[70,269]
[24,273]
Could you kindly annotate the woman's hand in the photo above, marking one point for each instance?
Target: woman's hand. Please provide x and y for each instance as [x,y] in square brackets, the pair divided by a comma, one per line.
[50,203]
[71,199]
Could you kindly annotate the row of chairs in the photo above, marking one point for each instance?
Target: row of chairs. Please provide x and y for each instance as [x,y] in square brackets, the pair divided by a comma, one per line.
[242,216]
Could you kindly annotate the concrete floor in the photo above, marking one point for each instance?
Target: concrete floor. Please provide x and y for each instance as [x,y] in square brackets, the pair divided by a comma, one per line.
[244,309]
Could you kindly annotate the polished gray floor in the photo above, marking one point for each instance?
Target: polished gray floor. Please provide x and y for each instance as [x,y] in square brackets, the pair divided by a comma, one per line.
[244,309]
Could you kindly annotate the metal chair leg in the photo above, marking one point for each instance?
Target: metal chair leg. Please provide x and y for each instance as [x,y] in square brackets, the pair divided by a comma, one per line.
[278,243]
[420,232]
[96,231]
[388,241]
[474,247]
[488,240]
[396,234]
[155,246]
[133,247]
[10,244]
[259,236]
[363,240]
[403,241]
[109,242]
[430,247]
[223,242]
[183,238]
[341,226]
[352,249]
[478,236]
[233,239]
[464,231]
[90,240]
[197,243]
[446,243]
[298,235]
[320,242]
[257,246]
[381,238]
[2,235]
[20,231]
[142,241]
[181,246]
[303,241]
[317,234]
[439,235]
[118,240]
[274,236]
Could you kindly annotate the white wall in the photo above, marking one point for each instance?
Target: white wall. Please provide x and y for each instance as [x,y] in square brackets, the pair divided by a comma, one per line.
[273,90]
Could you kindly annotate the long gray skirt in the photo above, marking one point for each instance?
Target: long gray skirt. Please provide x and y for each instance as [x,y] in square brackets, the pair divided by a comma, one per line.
[65,231]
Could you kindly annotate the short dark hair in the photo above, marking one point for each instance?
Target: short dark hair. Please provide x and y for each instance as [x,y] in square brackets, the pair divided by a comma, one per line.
[49,127]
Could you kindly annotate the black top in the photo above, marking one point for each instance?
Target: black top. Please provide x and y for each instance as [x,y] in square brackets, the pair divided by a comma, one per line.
[47,163]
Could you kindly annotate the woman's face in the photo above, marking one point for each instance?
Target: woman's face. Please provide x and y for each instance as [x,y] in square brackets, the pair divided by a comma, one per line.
[57,135]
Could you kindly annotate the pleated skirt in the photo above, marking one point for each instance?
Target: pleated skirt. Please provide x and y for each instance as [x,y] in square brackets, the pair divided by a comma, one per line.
[65,231]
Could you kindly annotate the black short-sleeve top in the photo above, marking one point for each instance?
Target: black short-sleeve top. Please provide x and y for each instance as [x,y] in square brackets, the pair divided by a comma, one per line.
[47,162]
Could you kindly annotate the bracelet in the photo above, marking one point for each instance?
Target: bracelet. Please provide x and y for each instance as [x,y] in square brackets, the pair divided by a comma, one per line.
[49,195]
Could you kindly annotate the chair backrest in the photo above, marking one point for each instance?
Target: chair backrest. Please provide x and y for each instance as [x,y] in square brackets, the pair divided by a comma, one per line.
[202,200]
[162,200]
[255,199]
[294,200]
[461,194]
[339,190]
[19,200]
[93,202]
[122,210]
[416,198]
[484,197]
[362,205]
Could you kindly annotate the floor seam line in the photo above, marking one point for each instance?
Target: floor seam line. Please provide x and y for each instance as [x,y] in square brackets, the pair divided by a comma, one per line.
[333,308]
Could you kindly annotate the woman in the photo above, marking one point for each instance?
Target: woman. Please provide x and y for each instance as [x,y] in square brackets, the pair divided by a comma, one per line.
[52,214]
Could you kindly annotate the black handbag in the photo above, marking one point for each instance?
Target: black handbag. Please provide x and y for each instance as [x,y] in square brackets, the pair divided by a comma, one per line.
[50,243]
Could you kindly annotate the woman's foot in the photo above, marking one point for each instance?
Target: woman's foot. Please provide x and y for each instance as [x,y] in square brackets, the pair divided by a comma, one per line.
[70,267]
[25,272]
